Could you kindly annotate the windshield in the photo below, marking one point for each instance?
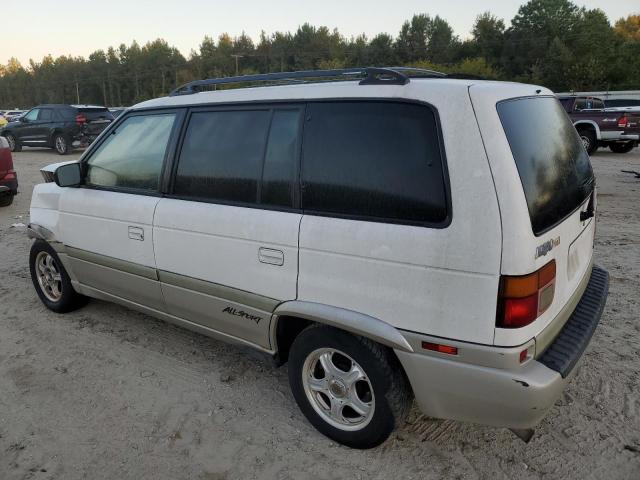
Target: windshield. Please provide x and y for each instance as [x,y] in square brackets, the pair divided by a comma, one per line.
[553,165]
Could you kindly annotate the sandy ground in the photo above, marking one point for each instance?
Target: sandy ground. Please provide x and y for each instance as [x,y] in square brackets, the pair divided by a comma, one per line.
[107,393]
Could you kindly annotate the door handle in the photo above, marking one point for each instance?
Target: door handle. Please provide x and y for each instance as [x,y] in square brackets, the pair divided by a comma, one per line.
[271,256]
[136,233]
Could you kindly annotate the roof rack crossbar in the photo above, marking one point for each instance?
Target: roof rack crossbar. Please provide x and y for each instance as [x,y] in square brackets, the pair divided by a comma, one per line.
[367,76]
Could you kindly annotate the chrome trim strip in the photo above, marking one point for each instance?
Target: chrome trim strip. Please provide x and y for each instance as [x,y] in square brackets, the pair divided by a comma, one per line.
[114,263]
[231,294]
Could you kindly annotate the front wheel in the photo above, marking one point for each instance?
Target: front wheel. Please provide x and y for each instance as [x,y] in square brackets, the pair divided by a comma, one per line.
[350,388]
[51,281]
[621,147]
[61,144]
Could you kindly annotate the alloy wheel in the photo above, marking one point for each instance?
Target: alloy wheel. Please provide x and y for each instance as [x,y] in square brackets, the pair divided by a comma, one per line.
[49,276]
[338,389]
[61,144]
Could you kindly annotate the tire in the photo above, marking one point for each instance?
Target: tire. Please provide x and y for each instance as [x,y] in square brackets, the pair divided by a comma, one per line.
[14,145]
[46,270]
[380,398]
[621,147]
[61,144]
[6,200]
[589,140]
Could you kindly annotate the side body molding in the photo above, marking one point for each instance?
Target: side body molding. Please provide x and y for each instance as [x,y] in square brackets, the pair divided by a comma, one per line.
[349,320]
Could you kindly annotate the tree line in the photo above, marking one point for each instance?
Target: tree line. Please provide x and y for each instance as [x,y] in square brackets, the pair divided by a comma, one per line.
[553,43]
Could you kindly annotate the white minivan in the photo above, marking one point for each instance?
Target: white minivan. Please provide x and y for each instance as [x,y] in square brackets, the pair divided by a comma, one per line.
[390,233]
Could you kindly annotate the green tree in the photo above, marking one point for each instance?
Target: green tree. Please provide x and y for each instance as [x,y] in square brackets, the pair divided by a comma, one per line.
[532,31]
[381,51]
[488,37]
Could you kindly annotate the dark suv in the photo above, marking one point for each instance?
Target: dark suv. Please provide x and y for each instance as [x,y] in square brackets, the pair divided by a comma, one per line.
[61,127]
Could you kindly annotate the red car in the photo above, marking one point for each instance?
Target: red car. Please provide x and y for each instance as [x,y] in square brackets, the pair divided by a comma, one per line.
[8,177]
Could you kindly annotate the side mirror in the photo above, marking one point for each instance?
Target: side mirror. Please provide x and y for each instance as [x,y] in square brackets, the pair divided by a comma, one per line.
[68,175]
[23,120]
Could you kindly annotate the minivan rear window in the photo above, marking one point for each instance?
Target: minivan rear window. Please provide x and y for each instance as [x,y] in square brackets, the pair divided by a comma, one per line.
[553,165]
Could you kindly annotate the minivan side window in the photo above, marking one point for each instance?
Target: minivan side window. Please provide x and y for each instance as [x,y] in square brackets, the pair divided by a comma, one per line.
[240,156]
[378,161]
[133,154]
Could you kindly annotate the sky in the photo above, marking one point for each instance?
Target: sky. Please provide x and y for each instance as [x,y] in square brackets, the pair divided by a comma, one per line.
[35,28]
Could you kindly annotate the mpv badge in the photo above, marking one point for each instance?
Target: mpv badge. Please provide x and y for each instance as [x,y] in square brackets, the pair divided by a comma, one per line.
[547,246]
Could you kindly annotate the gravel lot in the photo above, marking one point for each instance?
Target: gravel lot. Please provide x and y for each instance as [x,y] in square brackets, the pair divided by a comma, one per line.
[108,393]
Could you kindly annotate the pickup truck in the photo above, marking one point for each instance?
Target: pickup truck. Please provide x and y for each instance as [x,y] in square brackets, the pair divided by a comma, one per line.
[602,127]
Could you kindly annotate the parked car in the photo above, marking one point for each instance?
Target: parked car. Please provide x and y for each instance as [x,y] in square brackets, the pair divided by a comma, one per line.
[13,115]
[597,126]
[117,111]
[397,234]
[61,127]
[8,176]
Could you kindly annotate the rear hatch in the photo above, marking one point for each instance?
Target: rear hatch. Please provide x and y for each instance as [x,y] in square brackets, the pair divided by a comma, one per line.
[97,119]
[546,191]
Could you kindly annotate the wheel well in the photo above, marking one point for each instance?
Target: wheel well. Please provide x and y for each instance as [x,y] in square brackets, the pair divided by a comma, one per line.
[585,126]
[53,134]
[287,329]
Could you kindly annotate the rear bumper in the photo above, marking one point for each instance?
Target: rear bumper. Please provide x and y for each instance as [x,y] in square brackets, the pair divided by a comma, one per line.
[617,136]
[515,398]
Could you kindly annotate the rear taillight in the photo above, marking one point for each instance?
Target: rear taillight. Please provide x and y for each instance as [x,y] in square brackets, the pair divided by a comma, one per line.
[81,119]
[623,122]
[522,299]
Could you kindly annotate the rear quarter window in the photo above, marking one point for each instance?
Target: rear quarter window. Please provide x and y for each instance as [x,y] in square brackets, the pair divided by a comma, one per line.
[376,161]
[554,167]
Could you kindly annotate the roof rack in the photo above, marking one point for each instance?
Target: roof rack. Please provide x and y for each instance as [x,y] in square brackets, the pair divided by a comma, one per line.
[367,76]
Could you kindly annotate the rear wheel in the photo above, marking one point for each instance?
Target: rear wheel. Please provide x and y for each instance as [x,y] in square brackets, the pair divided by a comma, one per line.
[51,281]
[14,145]
[350,388]
[589,140]
[621,147]
[61,144]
